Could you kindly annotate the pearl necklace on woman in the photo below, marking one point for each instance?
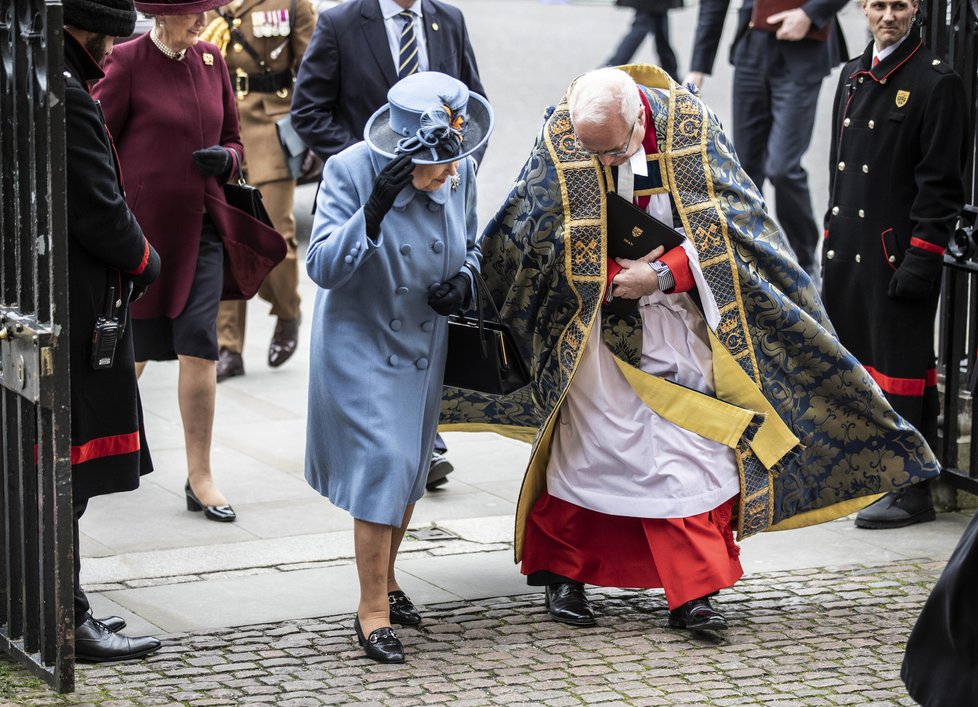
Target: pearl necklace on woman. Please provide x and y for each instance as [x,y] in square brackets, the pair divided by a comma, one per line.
[167,52]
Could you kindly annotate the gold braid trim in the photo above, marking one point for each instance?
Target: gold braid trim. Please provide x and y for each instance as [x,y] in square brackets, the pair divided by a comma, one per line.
[218,33]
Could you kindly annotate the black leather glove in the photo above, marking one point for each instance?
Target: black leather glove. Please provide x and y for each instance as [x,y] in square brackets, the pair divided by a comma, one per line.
[449,297]
[213,161]
[395,175]
[918,275]
[149,274]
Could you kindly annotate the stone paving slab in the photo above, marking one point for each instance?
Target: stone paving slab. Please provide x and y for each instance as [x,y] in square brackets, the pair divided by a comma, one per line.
[801,637]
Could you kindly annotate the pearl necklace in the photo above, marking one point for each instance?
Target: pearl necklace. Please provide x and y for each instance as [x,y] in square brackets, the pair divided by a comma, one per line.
[167,52]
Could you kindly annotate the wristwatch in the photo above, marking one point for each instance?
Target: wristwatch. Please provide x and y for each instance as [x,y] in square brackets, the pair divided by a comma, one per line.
[666,280]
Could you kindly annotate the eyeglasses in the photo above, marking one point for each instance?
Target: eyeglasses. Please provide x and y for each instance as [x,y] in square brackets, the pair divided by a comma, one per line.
[620,152]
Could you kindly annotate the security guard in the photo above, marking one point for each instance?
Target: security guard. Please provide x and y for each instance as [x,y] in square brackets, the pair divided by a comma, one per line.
[263,41]
[897,158]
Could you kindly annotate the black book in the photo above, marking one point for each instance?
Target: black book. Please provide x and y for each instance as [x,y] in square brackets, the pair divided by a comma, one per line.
[633,233]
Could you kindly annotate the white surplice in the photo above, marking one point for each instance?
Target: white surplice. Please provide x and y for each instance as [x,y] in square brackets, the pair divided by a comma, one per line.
[610,452]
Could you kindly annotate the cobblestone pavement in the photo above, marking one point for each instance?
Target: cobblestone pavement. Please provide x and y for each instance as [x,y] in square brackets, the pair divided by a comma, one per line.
[805,637]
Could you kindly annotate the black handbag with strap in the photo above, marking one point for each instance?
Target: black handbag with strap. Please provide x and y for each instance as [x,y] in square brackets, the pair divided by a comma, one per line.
[482,353]
[247,198]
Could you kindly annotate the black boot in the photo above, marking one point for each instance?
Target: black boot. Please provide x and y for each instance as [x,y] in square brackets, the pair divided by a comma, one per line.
[95,643]
[568,604]
[899,508]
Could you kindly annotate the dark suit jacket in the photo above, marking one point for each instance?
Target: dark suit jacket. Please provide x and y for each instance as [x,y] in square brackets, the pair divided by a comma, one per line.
[806,57]
[348,69]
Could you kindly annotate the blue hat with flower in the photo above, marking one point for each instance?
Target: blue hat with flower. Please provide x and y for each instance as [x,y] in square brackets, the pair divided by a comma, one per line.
[431,116]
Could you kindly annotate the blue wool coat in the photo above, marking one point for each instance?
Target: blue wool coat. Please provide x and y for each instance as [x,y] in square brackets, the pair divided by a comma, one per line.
[377,355]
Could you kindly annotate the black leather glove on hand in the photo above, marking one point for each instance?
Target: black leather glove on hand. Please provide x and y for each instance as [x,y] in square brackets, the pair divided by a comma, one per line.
[392,179]
[213,161]
[917,277]
[449,297]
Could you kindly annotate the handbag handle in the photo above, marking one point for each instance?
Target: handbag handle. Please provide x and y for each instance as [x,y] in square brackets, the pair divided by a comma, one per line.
[482,291]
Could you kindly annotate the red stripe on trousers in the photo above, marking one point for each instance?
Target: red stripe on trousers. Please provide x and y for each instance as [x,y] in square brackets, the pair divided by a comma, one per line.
[688,557]
[903,386]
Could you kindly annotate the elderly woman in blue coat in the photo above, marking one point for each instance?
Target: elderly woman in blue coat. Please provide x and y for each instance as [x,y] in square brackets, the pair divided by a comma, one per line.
[394,233]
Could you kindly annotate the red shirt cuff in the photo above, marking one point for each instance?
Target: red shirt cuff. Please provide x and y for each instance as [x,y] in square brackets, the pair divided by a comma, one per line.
[678,263]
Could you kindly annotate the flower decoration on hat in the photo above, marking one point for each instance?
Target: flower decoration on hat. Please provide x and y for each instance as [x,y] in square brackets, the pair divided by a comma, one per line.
[440,128]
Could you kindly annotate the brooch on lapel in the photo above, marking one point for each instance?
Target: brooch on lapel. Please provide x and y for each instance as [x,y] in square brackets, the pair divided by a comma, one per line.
[456,180]
[208,58]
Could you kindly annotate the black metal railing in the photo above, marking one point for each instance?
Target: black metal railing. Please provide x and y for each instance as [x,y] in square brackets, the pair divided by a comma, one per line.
[952,33]
[36,618]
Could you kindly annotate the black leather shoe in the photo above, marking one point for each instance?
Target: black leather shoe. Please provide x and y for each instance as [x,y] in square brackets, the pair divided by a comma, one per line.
[438,471]
[403,611]
[382,645]
[568,604]
[698,615]
[229,365]
[221,514]
[284,341]
[898,508]
[113,623]
[95,643]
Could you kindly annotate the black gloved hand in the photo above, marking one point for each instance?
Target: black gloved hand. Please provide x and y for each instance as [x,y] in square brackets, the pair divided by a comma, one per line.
[149,274]
[213,161]
[395,175]
[917,277]
[449,297]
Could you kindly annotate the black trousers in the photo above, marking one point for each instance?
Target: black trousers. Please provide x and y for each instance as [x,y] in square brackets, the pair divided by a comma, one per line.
[648,23]
[82,607]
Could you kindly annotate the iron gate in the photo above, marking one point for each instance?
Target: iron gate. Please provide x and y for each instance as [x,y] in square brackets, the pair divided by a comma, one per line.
[951,31]
[36,567]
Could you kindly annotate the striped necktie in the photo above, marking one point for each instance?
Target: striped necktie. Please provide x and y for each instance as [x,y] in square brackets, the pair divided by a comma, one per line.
[407,63]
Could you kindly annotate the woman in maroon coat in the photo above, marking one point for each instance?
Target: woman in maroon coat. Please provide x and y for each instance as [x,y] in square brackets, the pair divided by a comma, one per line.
[169,104]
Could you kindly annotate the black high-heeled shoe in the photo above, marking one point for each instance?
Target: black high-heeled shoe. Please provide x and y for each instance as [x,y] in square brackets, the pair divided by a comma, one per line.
[221,514]
[382,645]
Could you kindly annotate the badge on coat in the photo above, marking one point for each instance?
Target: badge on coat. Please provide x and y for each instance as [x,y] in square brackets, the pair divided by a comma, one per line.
[208,58]
[270,24]
[901,98]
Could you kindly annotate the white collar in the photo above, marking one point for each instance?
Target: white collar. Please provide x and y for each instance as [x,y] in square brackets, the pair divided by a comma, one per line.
[390,9]
[881,54]
[640,163]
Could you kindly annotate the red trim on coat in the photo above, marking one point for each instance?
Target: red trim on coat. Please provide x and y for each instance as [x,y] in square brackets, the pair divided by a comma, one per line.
[144,261]
[869,72]
[926,245]
[688,557]
[886,253]
[100,447]
[909,387]
[825,233]
[930,378]
[678,263]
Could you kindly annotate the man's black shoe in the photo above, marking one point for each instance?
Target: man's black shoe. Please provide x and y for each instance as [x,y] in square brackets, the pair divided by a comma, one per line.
[113,623]
[697,615]
[568,604]
[898,509]
[95,643]
[229,365]
[438,471]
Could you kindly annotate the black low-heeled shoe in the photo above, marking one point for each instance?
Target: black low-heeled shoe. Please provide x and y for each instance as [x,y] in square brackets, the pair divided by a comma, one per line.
[402,609]
[382,645]
[221,514]
[698,615]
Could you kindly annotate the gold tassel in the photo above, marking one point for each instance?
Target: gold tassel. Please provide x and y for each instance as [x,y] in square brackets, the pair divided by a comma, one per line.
[217,32]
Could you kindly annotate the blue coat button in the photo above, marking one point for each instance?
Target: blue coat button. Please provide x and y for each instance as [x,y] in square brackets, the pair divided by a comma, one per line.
[393,360]
[432,206]
[405,249]
[427,326]
[348,259]
[438,246]
[396,324]
[401,290]
[421,363]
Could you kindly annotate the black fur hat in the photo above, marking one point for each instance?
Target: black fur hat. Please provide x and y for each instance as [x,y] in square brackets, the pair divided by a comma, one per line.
[116,18]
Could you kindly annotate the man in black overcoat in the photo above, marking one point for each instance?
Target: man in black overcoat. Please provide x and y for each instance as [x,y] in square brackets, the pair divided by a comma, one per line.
[896,190]
[108,259]
[351,63]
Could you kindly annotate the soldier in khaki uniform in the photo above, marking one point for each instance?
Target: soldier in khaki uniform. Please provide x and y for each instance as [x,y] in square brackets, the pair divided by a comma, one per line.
[264,41]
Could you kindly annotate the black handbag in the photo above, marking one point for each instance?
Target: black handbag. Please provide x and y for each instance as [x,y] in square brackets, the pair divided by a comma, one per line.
[482,353]
[244,197]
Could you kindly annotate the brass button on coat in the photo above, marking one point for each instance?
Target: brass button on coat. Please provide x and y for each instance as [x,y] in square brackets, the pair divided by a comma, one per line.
[858,258]
[830,255]
[862,214]
[842,166]
[835,210]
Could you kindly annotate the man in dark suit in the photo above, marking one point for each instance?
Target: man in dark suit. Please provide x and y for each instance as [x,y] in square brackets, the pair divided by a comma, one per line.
[777,77]
[359,50]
